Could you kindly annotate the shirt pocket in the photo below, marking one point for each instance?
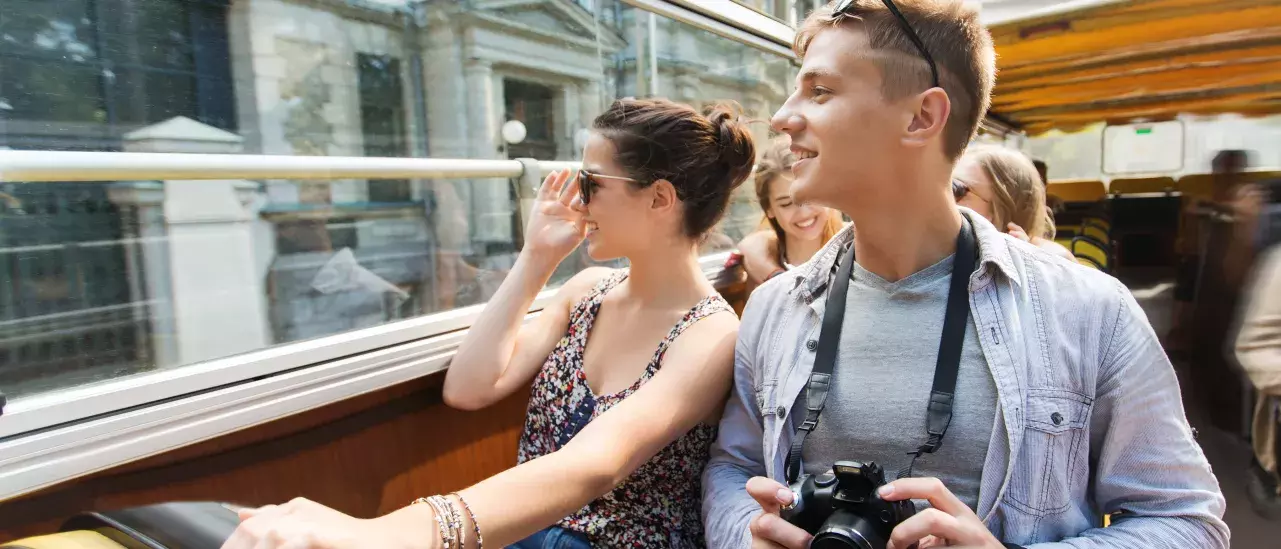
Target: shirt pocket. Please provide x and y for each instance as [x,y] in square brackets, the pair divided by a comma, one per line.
[765,398]
[1049,468]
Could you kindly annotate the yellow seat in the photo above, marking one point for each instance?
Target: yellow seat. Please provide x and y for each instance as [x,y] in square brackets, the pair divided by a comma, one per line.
[1140,185]
[1200,185]
[1089,263]
[1077,190]
[77,539]
[1097,233]
[1087,248]
[1259,177]
[1099,221]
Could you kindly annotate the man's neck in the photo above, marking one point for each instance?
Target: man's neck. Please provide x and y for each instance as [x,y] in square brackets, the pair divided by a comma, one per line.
[896,242]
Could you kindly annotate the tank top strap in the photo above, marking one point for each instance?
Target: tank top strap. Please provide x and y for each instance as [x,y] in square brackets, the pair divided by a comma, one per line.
[708,306]
[589,305]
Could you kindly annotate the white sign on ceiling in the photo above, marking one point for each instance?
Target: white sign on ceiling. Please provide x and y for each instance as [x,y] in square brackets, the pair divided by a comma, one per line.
[1155,147]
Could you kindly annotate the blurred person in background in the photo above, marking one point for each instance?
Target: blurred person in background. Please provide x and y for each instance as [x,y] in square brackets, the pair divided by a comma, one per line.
[791,231]
[1258,350]
[1002,185]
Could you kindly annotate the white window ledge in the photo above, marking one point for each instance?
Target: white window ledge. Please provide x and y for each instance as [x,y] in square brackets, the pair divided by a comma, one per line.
[125,420]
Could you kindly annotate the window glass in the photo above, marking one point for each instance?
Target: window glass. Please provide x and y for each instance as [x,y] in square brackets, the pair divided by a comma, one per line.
[103,279]
[787,11]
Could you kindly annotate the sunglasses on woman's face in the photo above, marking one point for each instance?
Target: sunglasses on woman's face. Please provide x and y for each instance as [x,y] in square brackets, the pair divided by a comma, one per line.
[961,189]
[587,183]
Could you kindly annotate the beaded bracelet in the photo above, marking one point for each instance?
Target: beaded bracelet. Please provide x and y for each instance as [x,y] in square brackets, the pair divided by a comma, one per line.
[447,534]
[455,521]
[480,540]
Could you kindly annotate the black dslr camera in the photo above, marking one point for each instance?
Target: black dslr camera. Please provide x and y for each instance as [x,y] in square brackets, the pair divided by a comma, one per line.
[841,507]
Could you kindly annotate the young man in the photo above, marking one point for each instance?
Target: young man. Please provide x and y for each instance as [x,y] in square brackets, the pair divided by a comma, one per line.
[1064,407]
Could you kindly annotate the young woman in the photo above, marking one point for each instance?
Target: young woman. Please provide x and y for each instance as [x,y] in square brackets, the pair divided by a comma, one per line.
[630,368]
[795,231]
[1003,186]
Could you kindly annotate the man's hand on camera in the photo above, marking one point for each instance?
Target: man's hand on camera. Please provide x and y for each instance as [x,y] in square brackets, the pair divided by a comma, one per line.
[769,530]
[948,523]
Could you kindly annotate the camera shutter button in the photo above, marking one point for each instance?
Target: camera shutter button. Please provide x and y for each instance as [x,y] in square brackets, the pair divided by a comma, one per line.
[824,480]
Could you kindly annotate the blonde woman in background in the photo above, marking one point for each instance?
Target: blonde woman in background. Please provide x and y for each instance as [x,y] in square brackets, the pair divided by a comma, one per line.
[791,232]
[1003,185]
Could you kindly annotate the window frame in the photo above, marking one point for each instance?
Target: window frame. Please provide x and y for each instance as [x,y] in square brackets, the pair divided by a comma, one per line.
[50,438]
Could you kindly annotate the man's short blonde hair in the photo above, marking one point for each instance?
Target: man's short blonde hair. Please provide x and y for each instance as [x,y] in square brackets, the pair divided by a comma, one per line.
[959,44]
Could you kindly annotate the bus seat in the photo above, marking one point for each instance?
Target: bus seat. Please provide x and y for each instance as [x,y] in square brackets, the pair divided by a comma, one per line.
[1089,263]
[1096,232]
[1077,190]
[1098,222]
[1260,176]
[1091,249]
[1200,185]
[1141,185]
[78,539]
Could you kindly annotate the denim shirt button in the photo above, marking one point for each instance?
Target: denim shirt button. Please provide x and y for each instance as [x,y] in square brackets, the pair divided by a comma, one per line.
[811,345]
[782,412]
[1057,418]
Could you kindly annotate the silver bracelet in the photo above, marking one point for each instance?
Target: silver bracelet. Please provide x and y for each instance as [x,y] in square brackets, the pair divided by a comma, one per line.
[480,541]
[455,521]
[446,535]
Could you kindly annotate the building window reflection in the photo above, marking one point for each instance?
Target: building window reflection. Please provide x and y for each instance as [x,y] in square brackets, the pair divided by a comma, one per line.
[148,275]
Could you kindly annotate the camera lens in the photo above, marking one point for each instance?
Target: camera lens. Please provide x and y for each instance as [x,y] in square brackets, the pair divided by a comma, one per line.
[845,530]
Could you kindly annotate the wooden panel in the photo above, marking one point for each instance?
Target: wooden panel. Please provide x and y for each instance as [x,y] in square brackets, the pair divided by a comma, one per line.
[366,456]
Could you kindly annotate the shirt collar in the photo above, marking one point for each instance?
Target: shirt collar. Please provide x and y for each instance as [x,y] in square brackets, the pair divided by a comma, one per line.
[812,277]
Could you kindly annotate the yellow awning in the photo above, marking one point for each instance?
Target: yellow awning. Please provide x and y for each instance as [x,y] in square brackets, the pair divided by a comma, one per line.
[1144,59]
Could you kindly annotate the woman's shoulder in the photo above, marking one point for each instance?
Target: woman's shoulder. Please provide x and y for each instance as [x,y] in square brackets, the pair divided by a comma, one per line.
[582,284]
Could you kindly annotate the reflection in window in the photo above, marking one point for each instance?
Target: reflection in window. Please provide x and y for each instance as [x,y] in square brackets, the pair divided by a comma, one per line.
[81,73]
[105,279]
[790,11]
[382,120]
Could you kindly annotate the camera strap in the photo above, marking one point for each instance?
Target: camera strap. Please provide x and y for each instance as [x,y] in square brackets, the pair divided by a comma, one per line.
[939,414]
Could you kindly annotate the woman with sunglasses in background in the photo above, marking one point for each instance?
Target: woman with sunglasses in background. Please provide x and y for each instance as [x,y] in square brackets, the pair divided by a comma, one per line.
[792,232]
[630,368]
[1003,185]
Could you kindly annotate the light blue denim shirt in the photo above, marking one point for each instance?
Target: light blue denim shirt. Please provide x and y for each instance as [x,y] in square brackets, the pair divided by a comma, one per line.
[1060,339]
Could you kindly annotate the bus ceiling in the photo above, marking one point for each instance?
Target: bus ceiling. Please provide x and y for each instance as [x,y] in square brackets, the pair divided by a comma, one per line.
[1143,60]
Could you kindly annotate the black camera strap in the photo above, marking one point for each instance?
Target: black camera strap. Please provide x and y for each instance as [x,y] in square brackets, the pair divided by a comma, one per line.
[945,369]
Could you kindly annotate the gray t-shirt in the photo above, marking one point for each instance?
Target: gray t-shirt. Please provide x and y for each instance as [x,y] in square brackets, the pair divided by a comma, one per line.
[883,375]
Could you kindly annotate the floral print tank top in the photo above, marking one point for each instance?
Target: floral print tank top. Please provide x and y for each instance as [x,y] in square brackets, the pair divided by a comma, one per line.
[658,505]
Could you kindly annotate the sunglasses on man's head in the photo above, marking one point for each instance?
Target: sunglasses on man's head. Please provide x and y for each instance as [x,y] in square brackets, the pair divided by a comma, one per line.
[587,182]
[844,8]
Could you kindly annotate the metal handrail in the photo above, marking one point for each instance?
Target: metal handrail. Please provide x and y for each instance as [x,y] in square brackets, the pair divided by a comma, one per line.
[45,166]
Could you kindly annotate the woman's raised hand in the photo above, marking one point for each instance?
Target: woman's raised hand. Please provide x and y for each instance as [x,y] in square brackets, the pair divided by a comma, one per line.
[558,221]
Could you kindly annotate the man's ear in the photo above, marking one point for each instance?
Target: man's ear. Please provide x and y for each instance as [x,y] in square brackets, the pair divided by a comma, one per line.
[931,110]
[664,195]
